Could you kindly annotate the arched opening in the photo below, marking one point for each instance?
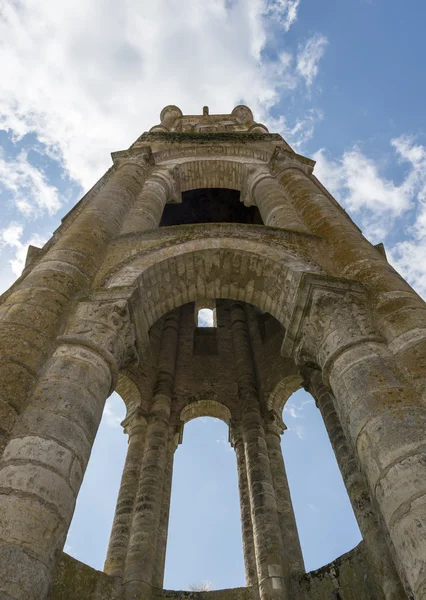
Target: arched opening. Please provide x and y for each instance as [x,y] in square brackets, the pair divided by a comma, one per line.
[210,205]
[90,527]
[204,541]
[325,520]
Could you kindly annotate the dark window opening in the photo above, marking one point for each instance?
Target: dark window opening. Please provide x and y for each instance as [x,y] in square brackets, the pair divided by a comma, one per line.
[215,205]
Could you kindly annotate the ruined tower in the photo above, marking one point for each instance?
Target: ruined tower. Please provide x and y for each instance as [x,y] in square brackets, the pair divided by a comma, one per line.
[210,211]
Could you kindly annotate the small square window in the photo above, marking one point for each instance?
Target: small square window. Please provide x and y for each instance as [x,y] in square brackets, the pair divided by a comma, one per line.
[205,318]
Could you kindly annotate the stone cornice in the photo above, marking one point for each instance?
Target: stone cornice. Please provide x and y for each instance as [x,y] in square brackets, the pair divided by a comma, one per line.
[199,136]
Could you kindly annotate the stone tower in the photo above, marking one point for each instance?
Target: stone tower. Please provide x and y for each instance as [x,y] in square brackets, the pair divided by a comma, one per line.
[210,211]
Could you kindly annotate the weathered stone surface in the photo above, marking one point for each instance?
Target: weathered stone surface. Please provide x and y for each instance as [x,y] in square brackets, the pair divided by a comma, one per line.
[344,579]
[111,302]
[76,581]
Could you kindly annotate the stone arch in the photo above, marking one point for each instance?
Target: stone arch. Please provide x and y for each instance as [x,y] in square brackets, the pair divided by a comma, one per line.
[238,263]
[214,173]
[241,153]
[283,391]
[205,408]
[128,391]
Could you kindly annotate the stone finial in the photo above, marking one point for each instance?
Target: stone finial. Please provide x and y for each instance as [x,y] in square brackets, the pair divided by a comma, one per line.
[168,116]
[243,115]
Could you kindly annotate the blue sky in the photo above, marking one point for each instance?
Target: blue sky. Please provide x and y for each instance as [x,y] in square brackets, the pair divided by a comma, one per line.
[342,81]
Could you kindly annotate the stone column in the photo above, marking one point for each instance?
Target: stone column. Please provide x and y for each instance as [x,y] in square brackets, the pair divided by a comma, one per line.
[293,561]
[141,555]
[400,312]
[276,210]
[44,462]
[383,417]
[245,510]
[135,427]
[383,569]
[159,188]
[163,527]
[29,315]
[264,514]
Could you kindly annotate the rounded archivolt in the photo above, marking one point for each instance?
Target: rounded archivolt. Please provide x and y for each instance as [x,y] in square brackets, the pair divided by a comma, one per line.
[205,408]
[128,391]
[212,261]
[282,392]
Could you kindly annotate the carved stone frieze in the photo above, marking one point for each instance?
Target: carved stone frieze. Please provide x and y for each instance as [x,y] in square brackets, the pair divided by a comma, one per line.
[329,316]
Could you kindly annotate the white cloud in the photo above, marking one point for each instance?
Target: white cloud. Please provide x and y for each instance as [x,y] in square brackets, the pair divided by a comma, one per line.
[298,133]
[291,410]
[284,11]
[10,237]
[309,56]
[299,431]
[294,412]
[377,202]
[225,443]
[89,77]
[363,187]
[113,412]
[29,188]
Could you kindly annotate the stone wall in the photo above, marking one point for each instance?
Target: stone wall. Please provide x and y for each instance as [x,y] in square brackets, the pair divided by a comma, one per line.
[231,594]
[344,579]
[76,581]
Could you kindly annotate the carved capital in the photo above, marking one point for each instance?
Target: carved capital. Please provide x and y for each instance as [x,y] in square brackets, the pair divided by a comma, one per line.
[235,433]
[274,423]
[254,174]
[329,317]
[137,156]
[177,435]
[283,159]
[134,421]
[105,327]
[169,179]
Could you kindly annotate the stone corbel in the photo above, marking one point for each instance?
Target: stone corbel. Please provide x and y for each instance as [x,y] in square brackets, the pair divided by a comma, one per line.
[330,315]
[283,159]
[105,327]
